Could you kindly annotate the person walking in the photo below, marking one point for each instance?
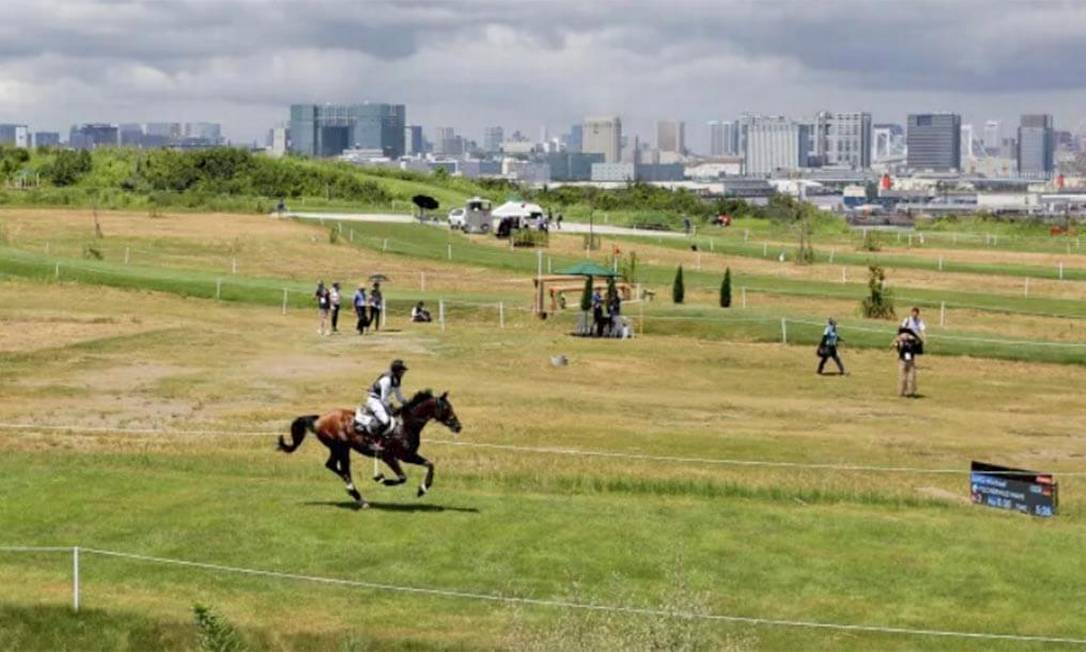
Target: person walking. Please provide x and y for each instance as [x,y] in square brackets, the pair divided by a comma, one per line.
[919,329]
[377,305]
[324,305]
[334,299]
[827,348]
[359,302]
[906,343]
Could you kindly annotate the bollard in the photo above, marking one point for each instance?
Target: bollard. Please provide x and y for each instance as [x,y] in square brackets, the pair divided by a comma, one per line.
[765,249]
[126,255]
[712,245]
[910,240]
[350,235]
[284,301]
[548,264]
[746,235]
[501,314]
[46,248]
[844,275]
[1061,270]
[441,313]
[75,579]
[450,252]
[641,315]
[942,313]
[784,331]
[699,259]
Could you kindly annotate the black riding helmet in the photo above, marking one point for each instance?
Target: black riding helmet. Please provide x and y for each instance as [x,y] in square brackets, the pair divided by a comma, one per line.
[398,366]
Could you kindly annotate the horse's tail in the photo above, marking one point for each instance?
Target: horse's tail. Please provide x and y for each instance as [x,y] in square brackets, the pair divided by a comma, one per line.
[298,429]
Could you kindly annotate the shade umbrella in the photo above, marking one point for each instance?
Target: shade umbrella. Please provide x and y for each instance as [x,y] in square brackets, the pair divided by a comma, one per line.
[379,278]
[587,268]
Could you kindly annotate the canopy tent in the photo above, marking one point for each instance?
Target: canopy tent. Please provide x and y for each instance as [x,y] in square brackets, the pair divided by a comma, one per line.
[587,268]
[518,209]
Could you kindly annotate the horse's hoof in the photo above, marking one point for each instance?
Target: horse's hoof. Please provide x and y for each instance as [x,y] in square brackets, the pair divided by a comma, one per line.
[422,491]
[363,505]
[357,496]
[379,477]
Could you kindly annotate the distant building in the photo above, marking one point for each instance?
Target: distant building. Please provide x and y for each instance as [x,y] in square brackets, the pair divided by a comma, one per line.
[15,135]
[130,134]
[518,147]
[992,136]
[842,139]
[532,172]
[474,168]
[413,142]
[671,136]
[492,139]
[448,143]
[575,140]
[773,143]
[168,132]
[723,140]
[93,136]
[572,166]
[329,129]
[209,132]
[280,141]
[934,142]
[46,139]
[613,172]
[659,172]
[603,136]
[1036,145]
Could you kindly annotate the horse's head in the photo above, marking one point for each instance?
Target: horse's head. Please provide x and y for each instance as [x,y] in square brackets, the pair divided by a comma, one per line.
[445,415]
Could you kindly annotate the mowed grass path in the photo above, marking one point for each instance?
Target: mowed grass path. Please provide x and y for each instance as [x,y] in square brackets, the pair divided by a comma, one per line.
[898,550]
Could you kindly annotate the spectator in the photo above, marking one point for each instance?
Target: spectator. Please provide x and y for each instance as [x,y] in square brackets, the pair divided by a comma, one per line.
[420,314]
[915,324]
[360,309]
[334,299]
[614,312]
[686,225]
[281,207]
[323,307]
[559,221]
[906,344]
[827,348]
[377,304]
[597,313]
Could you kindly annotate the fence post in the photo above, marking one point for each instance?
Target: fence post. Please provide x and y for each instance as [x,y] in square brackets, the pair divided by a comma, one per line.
[422,281]
[350,235]
[441,313]
[942,314]
[940,263]
[75,579]
[284,301]
[234,266]
[743,292]
[1025,292]
[218,289]
[699,258]
[784,331]
[641,315]
[126,255]
[384,245]
[57,272]
[384,315]
[501,314]
[1061,270]
[832,252]
[450,251]
[765,249]
[844,275]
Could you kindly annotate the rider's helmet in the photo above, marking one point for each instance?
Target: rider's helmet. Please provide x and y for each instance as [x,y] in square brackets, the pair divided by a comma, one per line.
[398,367]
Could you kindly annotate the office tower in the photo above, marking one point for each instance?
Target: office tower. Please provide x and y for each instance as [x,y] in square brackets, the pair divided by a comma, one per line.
[575,142]
[716,138]
[93,136]
[967,143]
[209,133]
[993,136]
[671,136]
[130,134]
[603,136]
[773,143]
[16,135]
[492,139]
[1036,145]
[328,129]
[46,139]
[934,141]
[842,139]
[413,142]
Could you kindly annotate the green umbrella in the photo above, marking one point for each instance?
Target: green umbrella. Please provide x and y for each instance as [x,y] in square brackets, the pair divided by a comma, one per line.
[587,268]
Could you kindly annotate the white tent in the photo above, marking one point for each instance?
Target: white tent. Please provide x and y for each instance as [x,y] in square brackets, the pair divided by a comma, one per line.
[523,210]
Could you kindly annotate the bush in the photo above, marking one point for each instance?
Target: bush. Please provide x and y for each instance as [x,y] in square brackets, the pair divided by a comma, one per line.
[586,295]
[879,304]
[871,241]
[628,267]
[678,291]
[215,633]
[91,252]
[726,289]
[530,238]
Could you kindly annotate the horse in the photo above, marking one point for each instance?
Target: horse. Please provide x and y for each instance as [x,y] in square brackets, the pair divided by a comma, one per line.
[336,430]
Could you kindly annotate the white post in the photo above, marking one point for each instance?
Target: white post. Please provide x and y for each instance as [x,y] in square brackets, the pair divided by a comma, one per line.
[284,301]
[746,235]
[641,315]
[350,235]
[784,331]
[422,281]
[1026,291]
[712,245]
[234,266]
[441,313]
[75,579]
[744,294]
[46,248]
[218,288]
[539,263]
[940,263]
[501,314]
[384,316]
[910,240]
[450,252]
[942,314]
[548,264]
[384,245]
[832,252]
[699,258]
[844,275]
[57,272]
[126,255]
[765,249]
[1061,270]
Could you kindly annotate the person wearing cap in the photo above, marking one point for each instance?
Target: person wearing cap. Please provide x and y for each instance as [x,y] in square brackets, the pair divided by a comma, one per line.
[907,344]
[827,348]
[379,399]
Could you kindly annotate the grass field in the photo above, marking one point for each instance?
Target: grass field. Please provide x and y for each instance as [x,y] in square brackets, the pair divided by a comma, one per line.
[112,347]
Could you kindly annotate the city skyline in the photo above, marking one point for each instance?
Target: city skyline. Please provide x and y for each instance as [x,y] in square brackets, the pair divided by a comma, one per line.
[68,62]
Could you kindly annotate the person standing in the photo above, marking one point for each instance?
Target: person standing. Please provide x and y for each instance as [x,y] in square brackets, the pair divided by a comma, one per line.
[915,324]
[906,343]
[597,312]
[324,305]
[614,315]
[827,348]
[359,302]
[377,305]
[559,221]
[334,299]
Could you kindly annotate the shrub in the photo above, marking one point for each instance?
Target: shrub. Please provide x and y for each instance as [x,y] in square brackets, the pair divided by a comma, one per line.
[879,304]
[678,291]
[871,241]
[91,252]
[333,235]
[726,289]
[530,238]
[215,633]
[628,267]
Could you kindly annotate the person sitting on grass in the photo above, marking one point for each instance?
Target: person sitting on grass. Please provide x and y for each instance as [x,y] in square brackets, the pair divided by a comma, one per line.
[420,314]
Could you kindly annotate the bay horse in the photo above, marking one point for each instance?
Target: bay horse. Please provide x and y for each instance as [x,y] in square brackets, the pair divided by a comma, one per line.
[336,431]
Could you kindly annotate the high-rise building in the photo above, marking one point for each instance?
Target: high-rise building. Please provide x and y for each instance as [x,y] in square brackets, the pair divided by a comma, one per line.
[842,139]
[716,138]
[575,141]
[492,139]
[773,143]
[671,136]
[413,144]
[280,139]
[993,136]
[603,136]
[130,134]
[46,138]
[170,131]
[207,132]
[448,143]
[93,136]
[328,129]
[1036,145]
[16,135]
[934,141]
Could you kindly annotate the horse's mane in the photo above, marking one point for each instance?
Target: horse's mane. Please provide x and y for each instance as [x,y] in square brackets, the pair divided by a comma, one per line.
[419,397]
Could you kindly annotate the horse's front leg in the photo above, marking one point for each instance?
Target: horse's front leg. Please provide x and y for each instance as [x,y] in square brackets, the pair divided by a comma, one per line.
[345,473]
[400,478]
[428,481]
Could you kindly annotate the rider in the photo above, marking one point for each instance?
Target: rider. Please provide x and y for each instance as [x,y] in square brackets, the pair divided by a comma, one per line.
[381,392]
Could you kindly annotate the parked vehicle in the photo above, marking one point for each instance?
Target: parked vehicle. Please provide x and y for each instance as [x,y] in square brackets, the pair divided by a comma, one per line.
[474,217]
[456,218]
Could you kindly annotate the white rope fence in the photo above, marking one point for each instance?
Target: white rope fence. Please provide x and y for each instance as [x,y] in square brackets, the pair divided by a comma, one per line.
[577,452]
[516,600]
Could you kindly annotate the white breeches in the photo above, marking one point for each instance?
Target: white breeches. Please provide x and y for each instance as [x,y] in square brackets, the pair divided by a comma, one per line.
[379,411]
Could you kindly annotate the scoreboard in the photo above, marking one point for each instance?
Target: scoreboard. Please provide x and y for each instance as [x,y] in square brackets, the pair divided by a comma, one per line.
[1019,490]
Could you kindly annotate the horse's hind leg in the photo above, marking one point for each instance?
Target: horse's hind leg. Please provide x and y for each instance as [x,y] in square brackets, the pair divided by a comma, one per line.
[339,462]
[400,478]
[428,481]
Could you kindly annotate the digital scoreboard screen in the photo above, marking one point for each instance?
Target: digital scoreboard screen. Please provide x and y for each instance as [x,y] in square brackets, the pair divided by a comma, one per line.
[1019,490]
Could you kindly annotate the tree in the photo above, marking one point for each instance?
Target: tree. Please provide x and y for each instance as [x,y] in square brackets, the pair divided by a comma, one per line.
[726,289]
[879,304]
[586,296]
[799,216]
[677,289]
[425,203]
[612,291]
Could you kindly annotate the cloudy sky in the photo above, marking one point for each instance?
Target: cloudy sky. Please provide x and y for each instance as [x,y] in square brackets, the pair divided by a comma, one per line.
[529,64]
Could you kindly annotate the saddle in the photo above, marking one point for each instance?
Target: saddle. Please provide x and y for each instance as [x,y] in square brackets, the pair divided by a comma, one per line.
[363,418]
